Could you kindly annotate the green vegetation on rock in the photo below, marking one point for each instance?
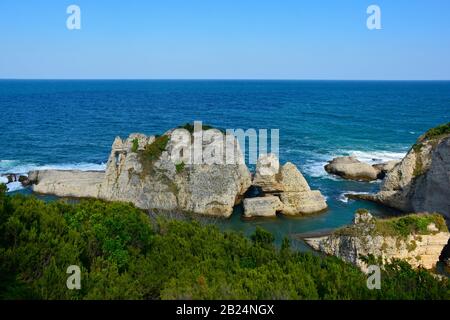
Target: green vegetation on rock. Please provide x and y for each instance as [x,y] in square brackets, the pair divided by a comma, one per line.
[437,132]
[418,168]
[153,151]
[190,127]
[416,224]
[180,167]
[400,227]
[135,146]
[123,254]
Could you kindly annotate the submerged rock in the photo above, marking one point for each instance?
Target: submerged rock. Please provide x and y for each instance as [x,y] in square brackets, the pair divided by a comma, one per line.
[403,238]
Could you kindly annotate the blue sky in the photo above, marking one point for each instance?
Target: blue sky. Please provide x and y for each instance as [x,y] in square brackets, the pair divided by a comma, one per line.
[225,39]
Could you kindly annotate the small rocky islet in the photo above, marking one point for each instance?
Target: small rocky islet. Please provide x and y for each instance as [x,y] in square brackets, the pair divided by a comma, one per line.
[140,170]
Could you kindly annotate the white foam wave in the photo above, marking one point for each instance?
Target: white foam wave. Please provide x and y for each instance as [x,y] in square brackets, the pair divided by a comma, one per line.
[16,167]
[24,168]
[14,186]
[315,168]
[343,196]
[376,156]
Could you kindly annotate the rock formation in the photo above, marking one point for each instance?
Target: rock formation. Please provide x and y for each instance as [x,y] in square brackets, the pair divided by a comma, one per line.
[289,185]
[141,170]
[417,239]
[421,181]
[262,206]
[353,169]
[78,184]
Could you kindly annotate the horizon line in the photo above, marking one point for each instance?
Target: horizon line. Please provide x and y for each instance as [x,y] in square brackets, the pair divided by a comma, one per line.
[214,79]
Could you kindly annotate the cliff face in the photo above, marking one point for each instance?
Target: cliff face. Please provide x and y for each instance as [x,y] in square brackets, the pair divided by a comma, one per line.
[417,239]
[421,181]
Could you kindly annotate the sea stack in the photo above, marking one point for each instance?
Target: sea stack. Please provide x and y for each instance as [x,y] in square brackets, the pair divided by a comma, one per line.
[140,170]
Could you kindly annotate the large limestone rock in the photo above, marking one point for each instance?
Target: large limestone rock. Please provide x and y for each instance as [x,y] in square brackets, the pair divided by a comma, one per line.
[301,203]
[266,175]
[289,185]
[297,197]
[385,167]
[262,206]
[78,184]
[142,170]
[421,181]
[351,168]
[363,238]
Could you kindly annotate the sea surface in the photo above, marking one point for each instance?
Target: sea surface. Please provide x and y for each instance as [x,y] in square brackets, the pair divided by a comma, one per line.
[72,124]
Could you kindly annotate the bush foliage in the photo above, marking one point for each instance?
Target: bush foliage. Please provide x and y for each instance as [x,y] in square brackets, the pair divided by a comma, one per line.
[125,255]
[438,131]
[153,151]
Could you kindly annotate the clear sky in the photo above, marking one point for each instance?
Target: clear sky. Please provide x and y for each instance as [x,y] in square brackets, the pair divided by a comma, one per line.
[225,39]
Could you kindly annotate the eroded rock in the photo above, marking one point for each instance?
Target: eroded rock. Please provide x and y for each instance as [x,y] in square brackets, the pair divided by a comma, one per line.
[262,206]
[421,181]
[368,236]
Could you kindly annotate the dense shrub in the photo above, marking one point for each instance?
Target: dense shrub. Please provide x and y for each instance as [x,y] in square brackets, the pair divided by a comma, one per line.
[153,151]
[438,131]
[123,255]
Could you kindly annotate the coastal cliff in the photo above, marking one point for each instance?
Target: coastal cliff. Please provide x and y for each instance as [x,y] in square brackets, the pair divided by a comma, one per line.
[418,239]
[421,181]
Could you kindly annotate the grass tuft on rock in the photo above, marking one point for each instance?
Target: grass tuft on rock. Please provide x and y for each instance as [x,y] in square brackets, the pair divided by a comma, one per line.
[400,227]
[135,145]
[410,224]
[153,151]
[190,127]
[437,132]
[180,167]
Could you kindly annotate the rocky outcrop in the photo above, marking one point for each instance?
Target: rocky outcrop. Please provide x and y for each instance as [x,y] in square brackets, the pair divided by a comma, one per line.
[385,167]
[421,247]
[421,181]
[142,170]
[262,206]
[79,184]
[266,176]
[289,185]
[353,169]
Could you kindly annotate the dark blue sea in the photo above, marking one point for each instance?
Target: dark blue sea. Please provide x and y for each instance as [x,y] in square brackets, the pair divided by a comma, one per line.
[72,124]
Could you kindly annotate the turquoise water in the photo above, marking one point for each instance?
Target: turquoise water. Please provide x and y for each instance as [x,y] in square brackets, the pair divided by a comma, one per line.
[72,124]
